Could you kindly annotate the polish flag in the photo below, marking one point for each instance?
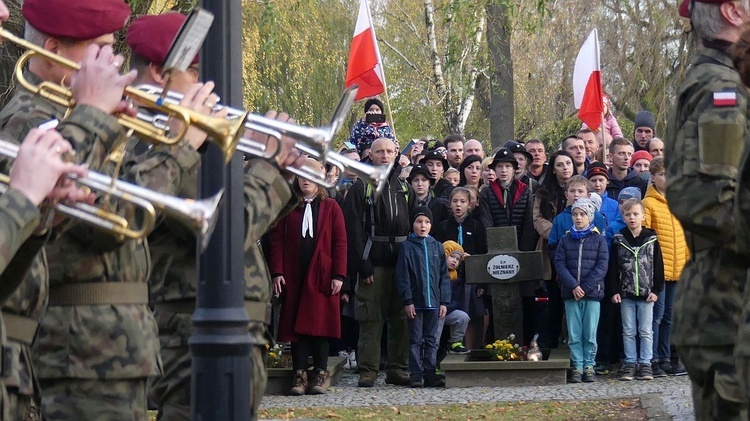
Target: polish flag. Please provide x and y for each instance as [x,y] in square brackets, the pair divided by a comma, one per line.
[365,66]
[587,83]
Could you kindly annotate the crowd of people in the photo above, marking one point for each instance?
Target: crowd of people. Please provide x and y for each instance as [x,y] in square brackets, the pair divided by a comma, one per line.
[401,279]
[95,325]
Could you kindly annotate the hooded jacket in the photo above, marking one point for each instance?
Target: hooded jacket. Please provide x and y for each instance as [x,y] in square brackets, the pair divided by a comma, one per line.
[422,274]
[636,267]
[669,231]
[631,180]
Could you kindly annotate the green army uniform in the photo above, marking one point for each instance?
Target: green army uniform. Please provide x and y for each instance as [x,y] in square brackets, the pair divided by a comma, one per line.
[18,220]
[173,286]
[706,136]
[98,337]
[91,132]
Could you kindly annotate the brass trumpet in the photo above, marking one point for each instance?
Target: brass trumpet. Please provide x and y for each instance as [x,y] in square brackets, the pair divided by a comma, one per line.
[198,215]
[225,133]
[314,141]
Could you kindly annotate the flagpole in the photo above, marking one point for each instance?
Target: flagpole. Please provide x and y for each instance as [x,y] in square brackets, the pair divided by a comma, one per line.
[382,72]
[599,66]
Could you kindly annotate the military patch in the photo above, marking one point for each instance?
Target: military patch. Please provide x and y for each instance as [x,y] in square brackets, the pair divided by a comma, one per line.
[725,99]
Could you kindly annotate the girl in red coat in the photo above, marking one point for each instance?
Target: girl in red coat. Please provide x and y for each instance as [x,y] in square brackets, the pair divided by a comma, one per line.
[308,265]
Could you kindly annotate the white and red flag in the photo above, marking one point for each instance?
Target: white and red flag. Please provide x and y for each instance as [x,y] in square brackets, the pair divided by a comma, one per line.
[365,67]
[587,83]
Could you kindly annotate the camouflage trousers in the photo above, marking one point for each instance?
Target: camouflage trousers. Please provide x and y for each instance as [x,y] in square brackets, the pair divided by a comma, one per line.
[94,399]
[375,304]
[171,391]
[23,407]
[717,394]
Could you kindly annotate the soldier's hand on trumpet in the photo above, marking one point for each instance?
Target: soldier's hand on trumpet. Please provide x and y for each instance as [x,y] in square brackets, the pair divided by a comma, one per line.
[287,154]
[199,97]
[99,83]
[40,172]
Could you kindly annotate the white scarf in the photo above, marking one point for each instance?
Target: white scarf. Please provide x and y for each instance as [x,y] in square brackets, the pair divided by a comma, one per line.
[307,219]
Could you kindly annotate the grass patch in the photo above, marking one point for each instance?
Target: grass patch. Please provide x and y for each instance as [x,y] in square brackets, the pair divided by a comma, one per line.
[611,409]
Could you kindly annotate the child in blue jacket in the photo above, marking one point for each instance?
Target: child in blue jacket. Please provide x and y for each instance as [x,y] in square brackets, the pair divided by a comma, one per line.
[581,261]
[424,288]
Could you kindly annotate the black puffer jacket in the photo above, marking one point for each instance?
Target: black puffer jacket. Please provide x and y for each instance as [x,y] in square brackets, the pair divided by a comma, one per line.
[518,212]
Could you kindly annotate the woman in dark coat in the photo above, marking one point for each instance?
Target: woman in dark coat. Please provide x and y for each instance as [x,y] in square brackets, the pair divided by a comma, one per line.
[308,270]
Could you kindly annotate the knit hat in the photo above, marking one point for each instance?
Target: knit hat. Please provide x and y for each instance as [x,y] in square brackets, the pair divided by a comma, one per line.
[629,193]
[644,119]
[640,155]
[420,169]
[597,168]
[597,200]
[516,147]
[453,247]
[420,210]
[587,206]
[504,155]
[375,101]
[436,156]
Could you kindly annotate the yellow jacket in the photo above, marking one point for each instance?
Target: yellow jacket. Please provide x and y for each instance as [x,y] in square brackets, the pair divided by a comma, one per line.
[669,232]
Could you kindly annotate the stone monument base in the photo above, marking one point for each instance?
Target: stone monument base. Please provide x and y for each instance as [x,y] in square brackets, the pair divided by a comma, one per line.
[478,369]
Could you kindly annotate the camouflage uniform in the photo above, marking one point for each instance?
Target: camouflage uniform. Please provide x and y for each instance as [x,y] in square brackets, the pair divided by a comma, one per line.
[704,144]
[173,287]
[87,348]
[18,219]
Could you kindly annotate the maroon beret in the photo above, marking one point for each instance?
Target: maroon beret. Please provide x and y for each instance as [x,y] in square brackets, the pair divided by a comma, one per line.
[150,36]
[684,8]
[76,19]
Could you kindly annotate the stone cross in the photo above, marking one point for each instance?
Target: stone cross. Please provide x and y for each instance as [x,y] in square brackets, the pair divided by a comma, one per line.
[502,268]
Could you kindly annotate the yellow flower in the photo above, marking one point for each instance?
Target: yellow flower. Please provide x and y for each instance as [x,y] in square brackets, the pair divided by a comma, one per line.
[500,357]
[488,346]
[272,355]
[268,346]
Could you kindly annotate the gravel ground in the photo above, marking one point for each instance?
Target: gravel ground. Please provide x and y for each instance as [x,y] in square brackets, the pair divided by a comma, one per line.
[674,391]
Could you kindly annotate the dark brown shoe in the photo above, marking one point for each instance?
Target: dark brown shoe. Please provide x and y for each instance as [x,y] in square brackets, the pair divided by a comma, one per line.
[397,377]
[367,378]
[300,383]
[319,386]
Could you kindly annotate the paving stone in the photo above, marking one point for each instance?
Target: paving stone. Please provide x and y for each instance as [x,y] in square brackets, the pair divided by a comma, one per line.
[673,391]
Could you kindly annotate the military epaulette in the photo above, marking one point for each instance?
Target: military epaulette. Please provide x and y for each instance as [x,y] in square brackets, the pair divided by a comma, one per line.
[725,99]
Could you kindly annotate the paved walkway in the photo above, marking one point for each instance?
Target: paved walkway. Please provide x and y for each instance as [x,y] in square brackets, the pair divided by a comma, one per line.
[673,391]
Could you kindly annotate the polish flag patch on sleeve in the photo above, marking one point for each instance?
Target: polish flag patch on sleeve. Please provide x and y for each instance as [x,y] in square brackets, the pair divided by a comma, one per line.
[725,99]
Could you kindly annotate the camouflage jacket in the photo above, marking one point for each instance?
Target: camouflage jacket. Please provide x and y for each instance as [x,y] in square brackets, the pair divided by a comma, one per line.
[19,217]
[704,143]
[173,278]
[706,136]
[86,341]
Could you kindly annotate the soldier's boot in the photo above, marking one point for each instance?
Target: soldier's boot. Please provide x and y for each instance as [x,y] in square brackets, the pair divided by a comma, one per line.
[318,385]
[300,383]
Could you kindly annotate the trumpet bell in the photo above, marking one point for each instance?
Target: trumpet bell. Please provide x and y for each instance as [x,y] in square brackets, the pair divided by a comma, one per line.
[203,214]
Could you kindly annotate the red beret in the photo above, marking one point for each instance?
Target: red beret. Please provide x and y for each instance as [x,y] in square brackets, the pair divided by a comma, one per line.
[76,19]
[684,8]
[150,36]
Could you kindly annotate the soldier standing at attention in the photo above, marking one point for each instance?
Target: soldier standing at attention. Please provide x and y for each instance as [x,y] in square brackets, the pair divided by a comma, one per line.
[706,137]
[173,281]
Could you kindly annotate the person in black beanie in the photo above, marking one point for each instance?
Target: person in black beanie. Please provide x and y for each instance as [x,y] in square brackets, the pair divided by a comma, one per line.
[372,126]
[644,129]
